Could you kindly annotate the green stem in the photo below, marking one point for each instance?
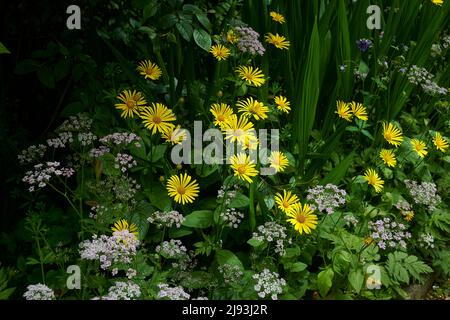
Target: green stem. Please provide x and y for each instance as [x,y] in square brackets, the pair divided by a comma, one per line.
[163,234]
[66,197]
[80,213]
[40,260]
[252,207]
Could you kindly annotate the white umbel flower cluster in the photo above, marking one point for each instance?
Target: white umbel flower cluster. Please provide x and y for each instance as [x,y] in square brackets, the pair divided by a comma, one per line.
[39,292]
[269,284]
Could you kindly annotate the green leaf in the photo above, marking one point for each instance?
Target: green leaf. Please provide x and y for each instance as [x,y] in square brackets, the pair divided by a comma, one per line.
[4,295]
[197,280]
[151,32]
[61,69]
[255,242]
[325,281]
[185,29]
[228,257]
[26,66]
[3,49]
[352,129]
[416,268]
[202,39]
[140,216]
[363,68]
[46,77]
[199,219]
[367,134]
[158,152]
[32,261]
[307,97]
[269,201]
[338,173]
[151,9]
[72,109]
[168,21]
[292,252]
[240,201]
[356,279]
[297,267]
[203,19]
[178,233]
[158,197]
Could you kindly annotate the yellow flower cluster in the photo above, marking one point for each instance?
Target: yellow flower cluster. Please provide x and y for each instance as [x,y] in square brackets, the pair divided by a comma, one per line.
[348,110]
[394,136]
[156,117]
[301,217]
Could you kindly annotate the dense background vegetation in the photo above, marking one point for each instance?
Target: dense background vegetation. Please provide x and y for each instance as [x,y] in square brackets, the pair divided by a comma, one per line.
[52,73]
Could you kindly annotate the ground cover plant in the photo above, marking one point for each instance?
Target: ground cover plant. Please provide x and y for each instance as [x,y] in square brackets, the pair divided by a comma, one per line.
[237,149]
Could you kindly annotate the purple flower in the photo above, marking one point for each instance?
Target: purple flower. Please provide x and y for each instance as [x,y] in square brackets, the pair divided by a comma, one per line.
[326,198]
[364,44]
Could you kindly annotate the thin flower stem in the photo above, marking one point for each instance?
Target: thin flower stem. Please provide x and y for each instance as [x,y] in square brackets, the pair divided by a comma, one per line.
[41,260]
[252,207]
[66,197]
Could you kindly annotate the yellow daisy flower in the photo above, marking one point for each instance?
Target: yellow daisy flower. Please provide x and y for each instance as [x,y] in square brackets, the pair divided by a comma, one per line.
[359,110]
[392,134]
[183,189]
[232,37]
[123,225]
[243,167]
[221,113]
[343,110]
[409,216]
[149,70]
[286,201]
[278,161]
[132,102]
[277,17]
[157,118]
[438,2]
[420,147]
[220,52]
[251,142]
[278,41]
[175,135]
[388,157]
[440,142]
[252,76]
[372,178]
[251,107]
[282,104]
[238,129]
[302,218]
